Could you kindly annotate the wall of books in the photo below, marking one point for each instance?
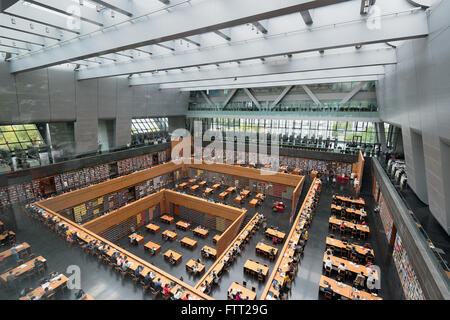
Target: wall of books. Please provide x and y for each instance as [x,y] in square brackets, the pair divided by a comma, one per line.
[386,218]
[292,162]
[81,178]
[141,162]
[410,284]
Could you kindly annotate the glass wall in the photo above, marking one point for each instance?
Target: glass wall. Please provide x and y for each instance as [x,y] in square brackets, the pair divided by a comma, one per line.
[343,131]
[149,125]
[19,137]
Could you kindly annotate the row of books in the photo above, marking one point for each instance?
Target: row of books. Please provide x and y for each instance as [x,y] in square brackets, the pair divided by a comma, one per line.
[17,193]
[386,218]
[410,284]
[81,178]
[293,162]
[32,191]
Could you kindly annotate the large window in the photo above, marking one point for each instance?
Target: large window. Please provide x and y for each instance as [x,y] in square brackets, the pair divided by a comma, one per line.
[149,125]
[19,137]
[343,131]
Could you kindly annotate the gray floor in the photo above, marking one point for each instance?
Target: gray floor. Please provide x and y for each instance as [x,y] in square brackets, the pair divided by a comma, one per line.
[103,283]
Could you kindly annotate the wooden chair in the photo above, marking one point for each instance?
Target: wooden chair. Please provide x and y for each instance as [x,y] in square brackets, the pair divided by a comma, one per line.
[261,277]
[363,235]
[244,283]
[334,227]
[254,289]
[328,271]
[354,233]
[342,229]
[328,295]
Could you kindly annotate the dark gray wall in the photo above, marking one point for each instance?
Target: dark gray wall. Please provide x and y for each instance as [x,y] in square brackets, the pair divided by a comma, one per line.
[415,95]
[53,95]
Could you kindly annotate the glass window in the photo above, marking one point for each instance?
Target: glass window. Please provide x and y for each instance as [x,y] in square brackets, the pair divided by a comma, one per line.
[149,125]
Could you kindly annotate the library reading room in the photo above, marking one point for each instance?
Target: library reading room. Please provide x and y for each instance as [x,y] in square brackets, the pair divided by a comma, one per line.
[224,150]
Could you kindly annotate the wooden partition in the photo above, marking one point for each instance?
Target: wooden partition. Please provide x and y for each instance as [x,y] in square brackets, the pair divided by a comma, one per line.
[286,245]
[229,234]
[221,256]
[159,273]
[118,216]
[74,198]
[202,205]
[358,169]
[296,195]
[251,173]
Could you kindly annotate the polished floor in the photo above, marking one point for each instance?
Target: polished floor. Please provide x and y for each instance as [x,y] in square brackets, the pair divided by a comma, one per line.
[101,282]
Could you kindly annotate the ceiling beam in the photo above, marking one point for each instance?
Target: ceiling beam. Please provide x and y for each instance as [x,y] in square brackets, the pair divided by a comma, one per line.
[306,17]
[260,27]
[395,27]
[352,93]
[116,5]
[192,41]
[5,4]
[164,46]
[253,98]
[205,96]
[229,97]
[166,2]
[281,96]
[311,94]
[362,58]
[63,7]
[298,78]
[37,29]
[25,37]
[197,18]
[222,35]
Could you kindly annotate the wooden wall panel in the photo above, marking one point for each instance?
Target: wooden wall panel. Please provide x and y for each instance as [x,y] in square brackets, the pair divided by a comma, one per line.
[118,216]
[227,237]
[82,195]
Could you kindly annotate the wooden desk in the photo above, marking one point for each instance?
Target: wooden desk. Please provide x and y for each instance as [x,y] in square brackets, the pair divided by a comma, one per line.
[212,253]
[254,267]
[216,238]
[150,245]
[283,169]
[175,256]
[346,290]
[192,181]
[231,189]
[352,267]
[191,264]
[265,249]
[349,225]
[54,284]
[360,201]
[202,184]
[183,185]
[260,196]
[217,185]
[223,195]
[194,188]
[167,219]
[208,191]
[253,203]
[139,239]
[336,243]
[245,193]
[274,233]
[9,233]
[188,242]
[20,270]
[348,210]
[238,200]
[152,227]
[244,291]
[296,171]
[170,235]
[183,225]
[200,232]
[21,247]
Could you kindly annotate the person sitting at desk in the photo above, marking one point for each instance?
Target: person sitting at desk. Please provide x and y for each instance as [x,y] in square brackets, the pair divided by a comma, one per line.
[137,272]
[186,297]
[215,277]
[133,241]
[329,252]
[165,237]
[177,294]
[79,294]
[46,294]
[157,285]
[329,289]
[166,290]
[360,280]
[328,263]
[171,259]
[147,279]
